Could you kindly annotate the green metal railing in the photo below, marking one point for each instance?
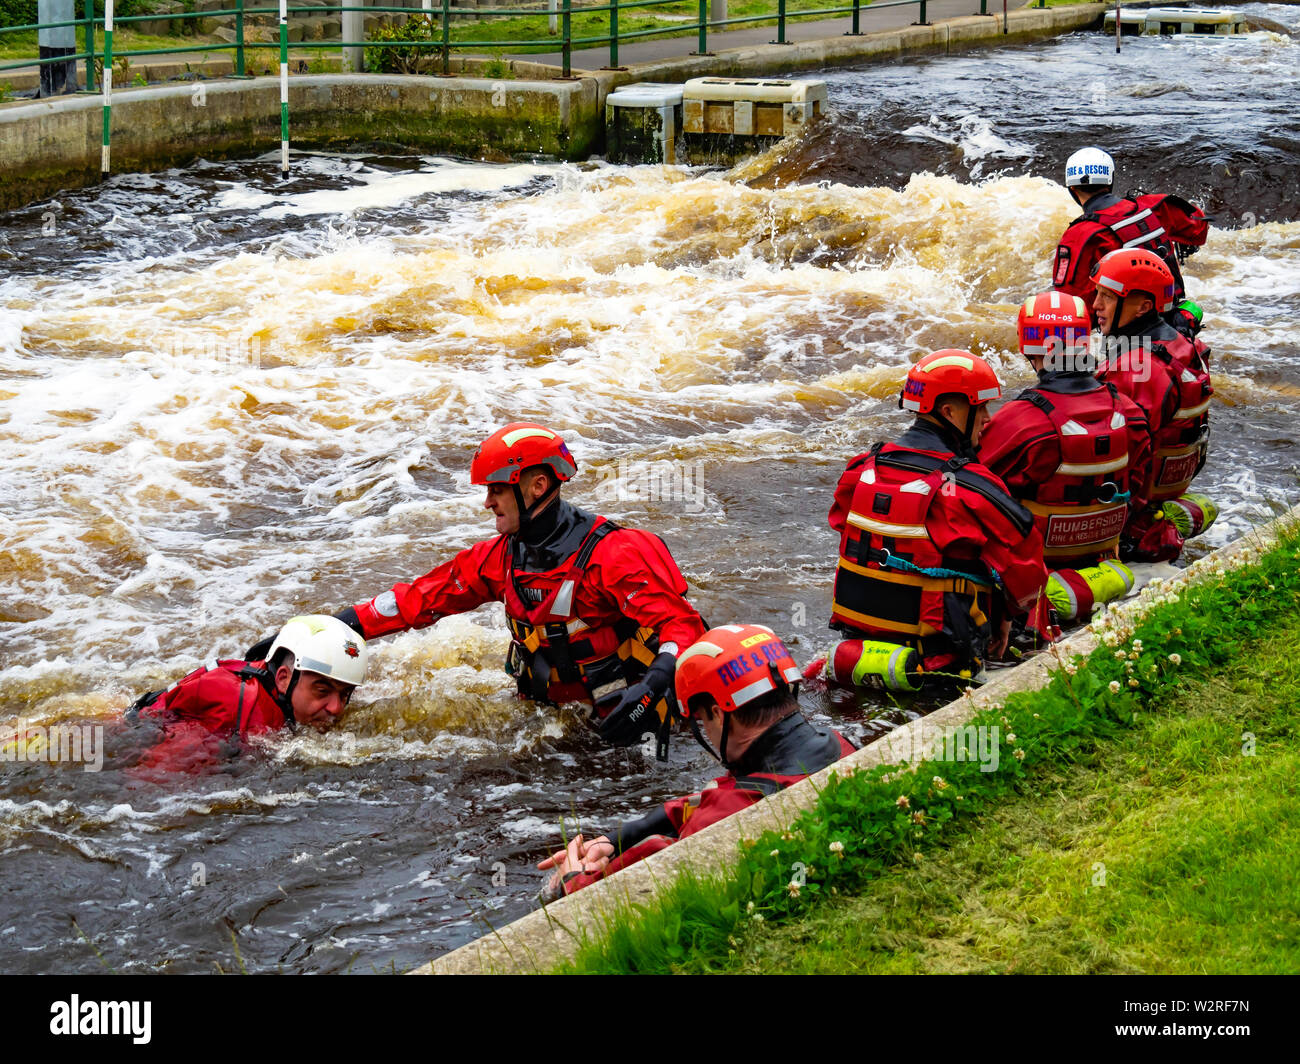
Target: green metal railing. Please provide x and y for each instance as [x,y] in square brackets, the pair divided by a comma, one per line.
[442,45]
[441,18]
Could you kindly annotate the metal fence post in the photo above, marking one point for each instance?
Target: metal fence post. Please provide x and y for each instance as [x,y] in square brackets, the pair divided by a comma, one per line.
[857,15]
[284,88]
[568,38]
[239,38]
[446,37]
[108,87]
[704,27]
[88,42]
[613,33]
[780,21]
[923,21]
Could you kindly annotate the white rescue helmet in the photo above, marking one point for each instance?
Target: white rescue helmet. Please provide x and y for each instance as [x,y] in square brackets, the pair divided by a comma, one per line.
[1089,168]
[323,644]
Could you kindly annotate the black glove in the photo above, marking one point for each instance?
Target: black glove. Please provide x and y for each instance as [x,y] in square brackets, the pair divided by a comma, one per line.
[634,715]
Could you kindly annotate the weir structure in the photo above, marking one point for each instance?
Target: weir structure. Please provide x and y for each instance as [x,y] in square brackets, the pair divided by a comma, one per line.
[546,938]
[59,143]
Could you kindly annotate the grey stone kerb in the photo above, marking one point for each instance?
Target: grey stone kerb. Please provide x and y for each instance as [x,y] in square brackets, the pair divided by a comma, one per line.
[545,938]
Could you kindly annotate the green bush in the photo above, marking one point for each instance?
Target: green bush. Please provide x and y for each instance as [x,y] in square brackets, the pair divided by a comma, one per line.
[396,59]
[24,12]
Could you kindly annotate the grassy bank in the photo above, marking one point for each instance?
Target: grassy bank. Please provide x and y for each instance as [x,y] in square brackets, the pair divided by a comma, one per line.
[1169,850]
[1124,829]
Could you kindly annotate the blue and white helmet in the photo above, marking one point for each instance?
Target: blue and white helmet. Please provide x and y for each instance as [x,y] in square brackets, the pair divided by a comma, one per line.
[1089,168]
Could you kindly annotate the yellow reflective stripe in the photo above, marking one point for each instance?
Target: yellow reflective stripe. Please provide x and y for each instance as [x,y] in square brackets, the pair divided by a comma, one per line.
[1192,411]
[884,528]
[1080,469]
[961,361]
[925,583]
[511,438]
[866,620]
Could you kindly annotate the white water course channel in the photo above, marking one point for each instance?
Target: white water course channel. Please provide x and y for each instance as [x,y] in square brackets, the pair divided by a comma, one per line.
[226,399]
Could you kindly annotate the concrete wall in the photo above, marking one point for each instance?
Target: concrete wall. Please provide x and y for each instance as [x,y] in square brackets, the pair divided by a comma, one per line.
[546,938]
[55,144]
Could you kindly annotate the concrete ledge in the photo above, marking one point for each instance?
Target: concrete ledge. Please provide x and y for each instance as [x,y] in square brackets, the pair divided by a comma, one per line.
[55,144]
[543,939]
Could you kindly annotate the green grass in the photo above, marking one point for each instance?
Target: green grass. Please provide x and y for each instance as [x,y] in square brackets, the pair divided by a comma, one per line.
[1130,758]
[24,45]
[1169,852]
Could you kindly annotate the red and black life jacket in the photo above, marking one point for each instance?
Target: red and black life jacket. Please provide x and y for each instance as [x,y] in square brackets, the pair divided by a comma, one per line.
[892,581]
[557,656]
[1180,447]
[1081,509]
[1166,225]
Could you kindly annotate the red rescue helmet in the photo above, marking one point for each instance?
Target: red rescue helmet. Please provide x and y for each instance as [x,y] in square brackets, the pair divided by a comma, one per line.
[1130,270]
[944,373]
[1052,322]
[504,455]
[734,664]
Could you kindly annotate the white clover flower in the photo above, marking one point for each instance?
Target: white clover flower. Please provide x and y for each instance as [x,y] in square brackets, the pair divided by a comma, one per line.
[1133,683]
[1019,755]
[1120,655]
[1114,687]
[775,853]
[1011,737]
[939,782]
[917,858]
[1175,659]
[749,908]
[792,888]
[903,802]
[837,847]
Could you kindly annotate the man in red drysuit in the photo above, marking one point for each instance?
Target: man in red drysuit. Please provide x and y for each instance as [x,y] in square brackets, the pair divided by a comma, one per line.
[309,673]
[1163,372]
[597,612]
[1074,450]
[934,552]
[1166,225]
[739,685]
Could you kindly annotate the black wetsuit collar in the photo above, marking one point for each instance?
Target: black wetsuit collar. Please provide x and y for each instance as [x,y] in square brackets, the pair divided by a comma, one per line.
[1067,382]
[927,436]
[552,536]
[790,747]
[1150,324]
[1101,201]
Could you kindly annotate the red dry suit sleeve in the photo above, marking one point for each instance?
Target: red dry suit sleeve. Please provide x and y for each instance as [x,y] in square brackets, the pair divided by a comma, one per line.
[839,515]
[970,525]
[1140,450]
[1184,222]
[636,573]
[1020,446]
[688,815]
[474,576]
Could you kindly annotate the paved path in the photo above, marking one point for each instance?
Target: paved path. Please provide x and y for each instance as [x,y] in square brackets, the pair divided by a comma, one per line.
[871,20]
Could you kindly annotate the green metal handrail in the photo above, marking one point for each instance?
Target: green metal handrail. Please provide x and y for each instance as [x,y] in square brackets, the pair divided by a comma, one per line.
[441,16]
[440,19]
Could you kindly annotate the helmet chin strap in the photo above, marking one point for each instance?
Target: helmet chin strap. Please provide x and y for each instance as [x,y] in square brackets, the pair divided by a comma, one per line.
[529,514]
[719,755]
